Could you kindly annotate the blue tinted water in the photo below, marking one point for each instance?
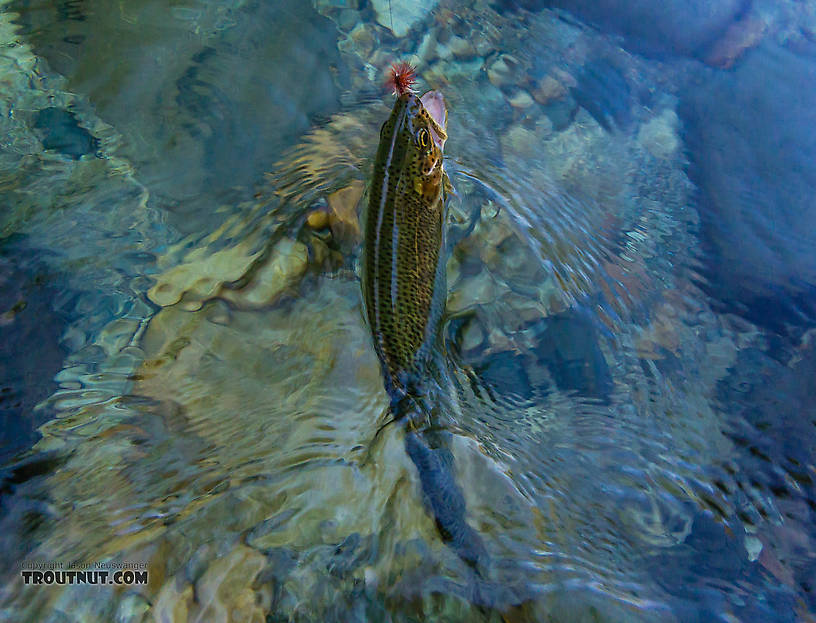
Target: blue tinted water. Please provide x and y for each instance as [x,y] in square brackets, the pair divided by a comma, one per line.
[626,392]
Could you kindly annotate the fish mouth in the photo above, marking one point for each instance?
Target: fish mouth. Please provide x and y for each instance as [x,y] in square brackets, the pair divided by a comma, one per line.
[434,104]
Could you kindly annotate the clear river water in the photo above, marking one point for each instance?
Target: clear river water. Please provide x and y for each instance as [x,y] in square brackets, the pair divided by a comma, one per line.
[188,386]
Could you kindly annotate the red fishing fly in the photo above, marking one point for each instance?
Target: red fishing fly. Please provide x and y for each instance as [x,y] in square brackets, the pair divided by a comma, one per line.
[401,78]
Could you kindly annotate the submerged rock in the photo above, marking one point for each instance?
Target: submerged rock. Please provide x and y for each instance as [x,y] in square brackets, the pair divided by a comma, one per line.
[345,225]
[503,71]
[659,135]
[205,275]
[521,99]
[318,219]
[191,136]
[752,148]
[461,48]
[361,40]
[63,133]
[286,266]
[604,92]
[132,609]
[740,37]
[174,602]
[685,27]
[224,592]
[401,15]
[548,89]
[520,140]
[569,348]
[31,329]
[200,277]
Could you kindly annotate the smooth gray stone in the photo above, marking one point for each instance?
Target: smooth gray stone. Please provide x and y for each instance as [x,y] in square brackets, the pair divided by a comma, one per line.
[750,138]
[672,27]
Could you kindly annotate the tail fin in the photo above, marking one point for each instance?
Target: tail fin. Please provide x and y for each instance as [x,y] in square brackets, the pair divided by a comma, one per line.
[434,462]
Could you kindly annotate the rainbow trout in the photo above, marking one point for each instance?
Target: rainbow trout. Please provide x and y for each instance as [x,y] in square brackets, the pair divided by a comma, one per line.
[404,290]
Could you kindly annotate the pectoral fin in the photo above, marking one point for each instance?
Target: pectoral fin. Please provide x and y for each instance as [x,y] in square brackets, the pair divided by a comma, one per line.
[448,190]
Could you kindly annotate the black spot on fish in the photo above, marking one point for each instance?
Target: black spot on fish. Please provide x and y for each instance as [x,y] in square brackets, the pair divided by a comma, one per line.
[63,133]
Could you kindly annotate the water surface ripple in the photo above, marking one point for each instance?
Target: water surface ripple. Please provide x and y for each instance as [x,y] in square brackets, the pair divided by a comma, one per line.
[187,380]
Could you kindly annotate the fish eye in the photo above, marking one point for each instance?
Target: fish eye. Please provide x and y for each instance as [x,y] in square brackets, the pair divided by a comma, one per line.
[423,138]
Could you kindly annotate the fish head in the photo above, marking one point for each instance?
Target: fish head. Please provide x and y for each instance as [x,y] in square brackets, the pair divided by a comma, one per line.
[412,141]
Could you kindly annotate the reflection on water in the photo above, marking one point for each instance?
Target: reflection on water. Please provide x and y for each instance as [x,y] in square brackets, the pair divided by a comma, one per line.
[181,314]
